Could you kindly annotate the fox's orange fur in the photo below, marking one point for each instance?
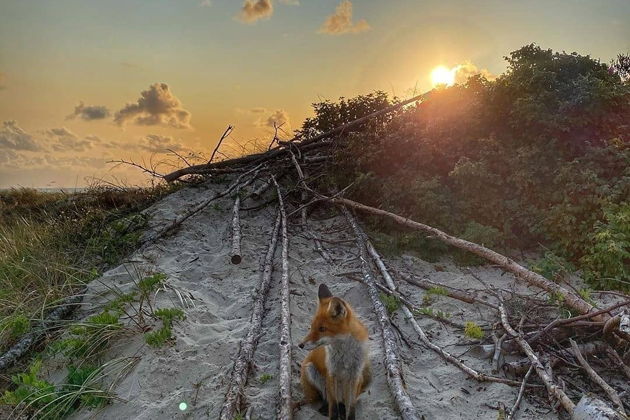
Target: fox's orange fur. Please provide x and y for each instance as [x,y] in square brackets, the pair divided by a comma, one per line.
[337,369]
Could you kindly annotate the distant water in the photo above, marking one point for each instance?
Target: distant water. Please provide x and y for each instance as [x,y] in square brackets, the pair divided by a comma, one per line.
[69,190]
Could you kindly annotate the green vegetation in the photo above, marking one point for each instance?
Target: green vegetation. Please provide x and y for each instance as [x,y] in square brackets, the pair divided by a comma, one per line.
[540,155]
[264,378]
[392,303]
[51,244]
[159,337]
[472,330]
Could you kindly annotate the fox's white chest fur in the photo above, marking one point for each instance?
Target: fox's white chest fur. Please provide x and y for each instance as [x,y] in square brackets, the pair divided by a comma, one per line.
[345,359]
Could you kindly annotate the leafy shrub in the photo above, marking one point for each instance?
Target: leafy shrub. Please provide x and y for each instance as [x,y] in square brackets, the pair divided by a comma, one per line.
[552,266]
[392,303]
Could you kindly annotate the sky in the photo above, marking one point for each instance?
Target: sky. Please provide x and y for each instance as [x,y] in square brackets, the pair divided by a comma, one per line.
[87,82]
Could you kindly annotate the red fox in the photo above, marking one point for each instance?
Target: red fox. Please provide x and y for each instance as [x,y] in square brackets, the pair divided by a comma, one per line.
[337,369]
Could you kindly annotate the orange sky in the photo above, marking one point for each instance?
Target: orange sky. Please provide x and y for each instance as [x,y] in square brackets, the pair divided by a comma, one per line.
[83,82]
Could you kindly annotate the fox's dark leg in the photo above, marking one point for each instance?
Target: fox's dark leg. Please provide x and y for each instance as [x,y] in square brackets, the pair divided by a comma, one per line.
[324,408]
[352,413]
[338,411]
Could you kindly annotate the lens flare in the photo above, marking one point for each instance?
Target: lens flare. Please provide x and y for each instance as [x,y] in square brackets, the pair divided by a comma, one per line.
[443,76]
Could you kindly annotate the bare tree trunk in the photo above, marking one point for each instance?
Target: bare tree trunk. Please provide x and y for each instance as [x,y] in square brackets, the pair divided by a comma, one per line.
[390,347]
[234,395]
[235,255]
[285,411]
[569,298]
[552,388]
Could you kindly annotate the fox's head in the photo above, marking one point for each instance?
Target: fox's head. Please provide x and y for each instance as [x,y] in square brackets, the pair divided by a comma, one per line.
[332,319]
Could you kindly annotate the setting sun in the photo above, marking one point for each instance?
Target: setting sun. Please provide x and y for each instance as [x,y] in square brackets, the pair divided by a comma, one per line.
[442,76]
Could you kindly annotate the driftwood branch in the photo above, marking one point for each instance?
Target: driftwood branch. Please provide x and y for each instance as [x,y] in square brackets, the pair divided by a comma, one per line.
[512,413]
[285,411]
[235,254]
[553,389]
[234,395]
[478,376]
[19,349]
[196,209]
[612,394]
[390,347]
[570,298]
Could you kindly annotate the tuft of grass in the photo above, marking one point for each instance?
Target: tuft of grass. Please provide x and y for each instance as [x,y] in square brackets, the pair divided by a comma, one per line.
[432,294]
[433,313]
[472,330]
[392,303]
[264,378]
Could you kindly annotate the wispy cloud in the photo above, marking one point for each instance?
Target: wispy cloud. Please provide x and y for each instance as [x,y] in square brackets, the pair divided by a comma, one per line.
[65,140]
[89,112]
[278,118]
[340,22]
[156,106]
[254,10]
[15,138]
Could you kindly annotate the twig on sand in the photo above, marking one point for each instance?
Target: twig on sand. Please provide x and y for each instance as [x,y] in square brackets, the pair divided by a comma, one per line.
[612,394]
[512,413]
[234,395]
[285,411]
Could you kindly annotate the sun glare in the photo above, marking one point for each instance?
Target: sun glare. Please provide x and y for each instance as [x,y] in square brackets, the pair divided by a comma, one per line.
[442,76]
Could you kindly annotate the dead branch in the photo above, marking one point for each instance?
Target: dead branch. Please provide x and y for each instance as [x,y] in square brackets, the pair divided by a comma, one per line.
[614,356]
[520,366]
[612,394]
[234,395]
[569,297]
[512,413]
[196,209]
[450,292]
[564,321]
[481,377]
[545,376]
[285,411]
[226,133]
[235,255]
[61,311]
[390,347]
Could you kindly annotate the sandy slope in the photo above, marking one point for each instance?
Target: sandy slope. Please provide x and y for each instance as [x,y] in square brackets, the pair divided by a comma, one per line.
[196,260]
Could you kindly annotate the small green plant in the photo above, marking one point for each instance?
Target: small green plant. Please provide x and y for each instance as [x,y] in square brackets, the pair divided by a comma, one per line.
[432,294]
[161,336]
[585,294]
[392,303]
[472,330]
[264,378]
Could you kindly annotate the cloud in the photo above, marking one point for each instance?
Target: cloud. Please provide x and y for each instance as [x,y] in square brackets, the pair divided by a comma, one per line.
[279,118]
[258,110]
[464,71]
[156,106]
[13,137]
[65,140]
[254,10]
[89,112]
[160,144]
[340,22]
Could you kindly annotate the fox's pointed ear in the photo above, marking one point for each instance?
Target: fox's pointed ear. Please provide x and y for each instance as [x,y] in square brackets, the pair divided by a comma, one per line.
[324,292]
[337,308]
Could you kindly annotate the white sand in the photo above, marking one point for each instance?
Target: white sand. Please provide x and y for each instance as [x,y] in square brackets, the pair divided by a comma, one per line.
[196,260]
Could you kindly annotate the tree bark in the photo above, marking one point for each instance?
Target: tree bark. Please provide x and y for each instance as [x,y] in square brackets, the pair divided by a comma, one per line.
[234,396]
[390,347]
[285,411]
[235,255]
